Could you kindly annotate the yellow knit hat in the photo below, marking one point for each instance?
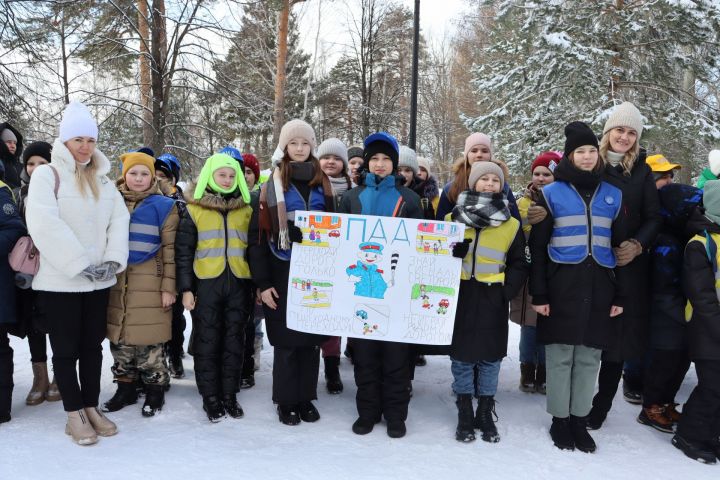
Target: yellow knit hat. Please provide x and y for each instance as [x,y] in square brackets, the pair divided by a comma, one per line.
[131,159]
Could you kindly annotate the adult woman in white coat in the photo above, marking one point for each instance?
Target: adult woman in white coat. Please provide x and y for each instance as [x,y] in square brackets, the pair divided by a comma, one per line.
[79,223]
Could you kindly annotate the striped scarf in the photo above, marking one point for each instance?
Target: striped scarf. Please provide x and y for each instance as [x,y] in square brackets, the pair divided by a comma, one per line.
[479,210]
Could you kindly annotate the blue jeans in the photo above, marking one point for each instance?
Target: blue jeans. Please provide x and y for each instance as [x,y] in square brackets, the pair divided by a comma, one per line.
[530,351]
[467,382]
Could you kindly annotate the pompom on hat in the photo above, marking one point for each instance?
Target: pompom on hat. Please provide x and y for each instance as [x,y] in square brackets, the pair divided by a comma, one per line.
[714,161]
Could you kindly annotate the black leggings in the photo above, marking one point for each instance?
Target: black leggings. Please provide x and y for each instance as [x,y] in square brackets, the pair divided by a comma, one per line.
[38,347]
[77,329]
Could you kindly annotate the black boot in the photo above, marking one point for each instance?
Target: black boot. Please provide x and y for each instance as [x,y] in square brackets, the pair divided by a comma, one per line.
[176,366]
[247,381]
[332,375]
[308,412]
[288,414]
[578,429]
[464,431]
[631,392]
[484,420]
[154,400]
[561,434]
[696,451]
[420,360]
[4,417]
[527,377]
[232,407]
[396,428]
[213,408]
[363,426]
[126,394]
[595,419]
[540,379]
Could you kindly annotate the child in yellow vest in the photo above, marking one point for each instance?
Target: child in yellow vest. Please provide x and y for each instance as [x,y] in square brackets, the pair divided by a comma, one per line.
[214,280]
[494,269]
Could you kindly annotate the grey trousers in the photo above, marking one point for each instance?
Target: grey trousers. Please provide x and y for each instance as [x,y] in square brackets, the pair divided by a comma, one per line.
[571,375]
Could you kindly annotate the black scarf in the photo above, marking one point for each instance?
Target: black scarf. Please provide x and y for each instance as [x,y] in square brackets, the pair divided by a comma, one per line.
[580,179]
[479,210]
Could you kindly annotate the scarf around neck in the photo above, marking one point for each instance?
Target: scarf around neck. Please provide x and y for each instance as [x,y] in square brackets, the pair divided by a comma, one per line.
[480,210]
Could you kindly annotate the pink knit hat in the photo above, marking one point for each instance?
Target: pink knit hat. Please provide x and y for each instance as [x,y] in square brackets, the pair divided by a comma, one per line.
[477,139]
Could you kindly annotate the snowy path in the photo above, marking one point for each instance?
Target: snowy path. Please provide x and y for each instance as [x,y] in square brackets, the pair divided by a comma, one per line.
[181,444]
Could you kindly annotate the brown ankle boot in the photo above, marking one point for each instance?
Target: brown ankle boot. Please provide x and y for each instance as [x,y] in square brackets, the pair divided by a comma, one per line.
[53,393]
[654,416]
[102,425]
[78,426]
[672,413]
[40,384]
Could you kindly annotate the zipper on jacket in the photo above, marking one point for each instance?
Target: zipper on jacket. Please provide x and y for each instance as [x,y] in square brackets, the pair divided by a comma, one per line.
[588,215]
[477,239]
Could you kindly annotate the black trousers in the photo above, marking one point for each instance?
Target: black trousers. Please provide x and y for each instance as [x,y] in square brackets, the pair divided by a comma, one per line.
[38,346]
[664,376]
[174,347]
[6,372]
[382,376]
[77,329]
[700,420]
[249,362]
[295,374]
[219,320]
[608,381]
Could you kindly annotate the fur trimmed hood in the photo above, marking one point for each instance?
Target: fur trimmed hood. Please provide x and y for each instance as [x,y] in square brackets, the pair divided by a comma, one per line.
[213,201]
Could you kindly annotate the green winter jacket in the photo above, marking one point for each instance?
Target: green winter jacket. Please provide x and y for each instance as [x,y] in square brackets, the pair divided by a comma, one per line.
[706,175]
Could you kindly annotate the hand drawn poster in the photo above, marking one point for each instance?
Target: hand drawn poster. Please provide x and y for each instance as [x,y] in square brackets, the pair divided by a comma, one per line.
[380,278]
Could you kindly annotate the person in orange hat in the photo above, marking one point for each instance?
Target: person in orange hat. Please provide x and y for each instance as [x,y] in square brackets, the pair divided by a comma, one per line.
[662,169]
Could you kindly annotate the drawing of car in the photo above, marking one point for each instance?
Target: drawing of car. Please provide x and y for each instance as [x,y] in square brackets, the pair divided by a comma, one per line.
[334,233]
[444,303]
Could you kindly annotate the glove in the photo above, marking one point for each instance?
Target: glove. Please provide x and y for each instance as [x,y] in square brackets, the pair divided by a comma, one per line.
[91,273]
[459,250]
[295,234]
[23,280]
[627,251]
[536,214]
[107,271]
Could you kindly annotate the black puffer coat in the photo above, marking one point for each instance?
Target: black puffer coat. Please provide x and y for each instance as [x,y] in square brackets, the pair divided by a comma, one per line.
[11,162]
[580,295]
[11,228]
[642,222]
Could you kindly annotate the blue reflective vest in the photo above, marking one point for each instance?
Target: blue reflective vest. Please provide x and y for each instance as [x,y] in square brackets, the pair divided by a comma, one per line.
[570,241]
[146,221]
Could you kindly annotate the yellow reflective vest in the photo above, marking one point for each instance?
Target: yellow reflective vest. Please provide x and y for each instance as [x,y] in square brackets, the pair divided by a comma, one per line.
[221,239]
[700,238]
[485,260]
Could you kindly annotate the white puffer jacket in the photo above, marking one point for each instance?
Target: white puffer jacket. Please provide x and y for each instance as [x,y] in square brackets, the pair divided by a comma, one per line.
[73,232]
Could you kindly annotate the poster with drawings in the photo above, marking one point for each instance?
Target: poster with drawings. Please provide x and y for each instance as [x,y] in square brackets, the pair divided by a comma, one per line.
[391,279]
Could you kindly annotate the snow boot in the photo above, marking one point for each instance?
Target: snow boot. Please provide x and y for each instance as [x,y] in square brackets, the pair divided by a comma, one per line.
[232,407]
[540,379]
[257,348]
[464,431]
[654,416]
[125,395]
[715,446]
[595,419]
[247,381]
[527,377]
[332,375]
[420,361]
[672,413]
[396,428]
[40,384]
[213,408]
[177,370]
[484,419]
[288,414]
[308,412]
[695,450]
[154,400]
[631,394]
[53,392]
[5,417]
[348,352]
[102,425]
[363,426]
[79,428]
[578,429]
[561,434]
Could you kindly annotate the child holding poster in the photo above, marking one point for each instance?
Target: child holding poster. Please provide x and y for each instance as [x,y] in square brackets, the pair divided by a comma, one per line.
[382,373]
[494,269]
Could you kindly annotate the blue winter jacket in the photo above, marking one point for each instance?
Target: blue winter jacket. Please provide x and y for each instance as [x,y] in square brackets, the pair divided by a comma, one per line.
[11,228]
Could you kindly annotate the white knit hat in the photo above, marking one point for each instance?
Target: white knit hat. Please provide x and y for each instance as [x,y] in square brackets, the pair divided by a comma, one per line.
[408,158]
[714,161]
[77,121]
[333,146]
[625,115]
[296,128]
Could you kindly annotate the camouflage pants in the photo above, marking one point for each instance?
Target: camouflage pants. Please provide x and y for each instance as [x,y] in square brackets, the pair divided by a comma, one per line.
[146,362]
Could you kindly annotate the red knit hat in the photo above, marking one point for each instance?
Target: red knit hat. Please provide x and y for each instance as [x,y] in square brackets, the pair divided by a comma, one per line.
[548,160]
[251,162]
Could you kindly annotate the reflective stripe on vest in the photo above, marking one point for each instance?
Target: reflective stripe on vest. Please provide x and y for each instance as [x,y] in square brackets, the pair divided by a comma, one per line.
[569,242]
[708,248]
[145,223]
[488,249]
[214,247]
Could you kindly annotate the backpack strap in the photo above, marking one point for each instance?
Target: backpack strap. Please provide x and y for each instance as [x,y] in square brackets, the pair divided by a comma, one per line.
[57,180]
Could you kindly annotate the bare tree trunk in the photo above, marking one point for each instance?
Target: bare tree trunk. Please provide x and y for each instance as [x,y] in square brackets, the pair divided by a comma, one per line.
[615,78]
[280,73]
[159,64]
[145,76]
[66,82]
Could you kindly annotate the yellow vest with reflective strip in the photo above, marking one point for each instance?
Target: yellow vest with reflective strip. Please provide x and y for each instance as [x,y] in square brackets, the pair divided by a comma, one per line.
[221,239]
[702,239]
[523,204]
[488,249]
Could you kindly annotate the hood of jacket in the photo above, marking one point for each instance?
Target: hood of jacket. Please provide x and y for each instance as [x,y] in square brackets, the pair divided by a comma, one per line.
[63,159]
[4,152]
[427,189]
[214,201]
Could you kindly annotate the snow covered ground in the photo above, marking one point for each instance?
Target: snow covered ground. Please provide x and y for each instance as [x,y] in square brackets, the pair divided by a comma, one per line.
[180,443]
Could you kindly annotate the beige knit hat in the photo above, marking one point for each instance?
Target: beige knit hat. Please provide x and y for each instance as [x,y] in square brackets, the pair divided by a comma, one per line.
[479,169]
[625,115]
[296,128]
[425,163]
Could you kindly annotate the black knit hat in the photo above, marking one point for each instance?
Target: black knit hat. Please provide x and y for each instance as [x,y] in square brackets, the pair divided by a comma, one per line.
[578,134]
[41,149]
[354,152]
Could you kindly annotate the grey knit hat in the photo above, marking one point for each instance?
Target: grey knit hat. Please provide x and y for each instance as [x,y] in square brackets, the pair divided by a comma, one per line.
[333,146]
[408,158]
[355,151]
[625,115]
[8,135]
[296,128]
[479,169]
